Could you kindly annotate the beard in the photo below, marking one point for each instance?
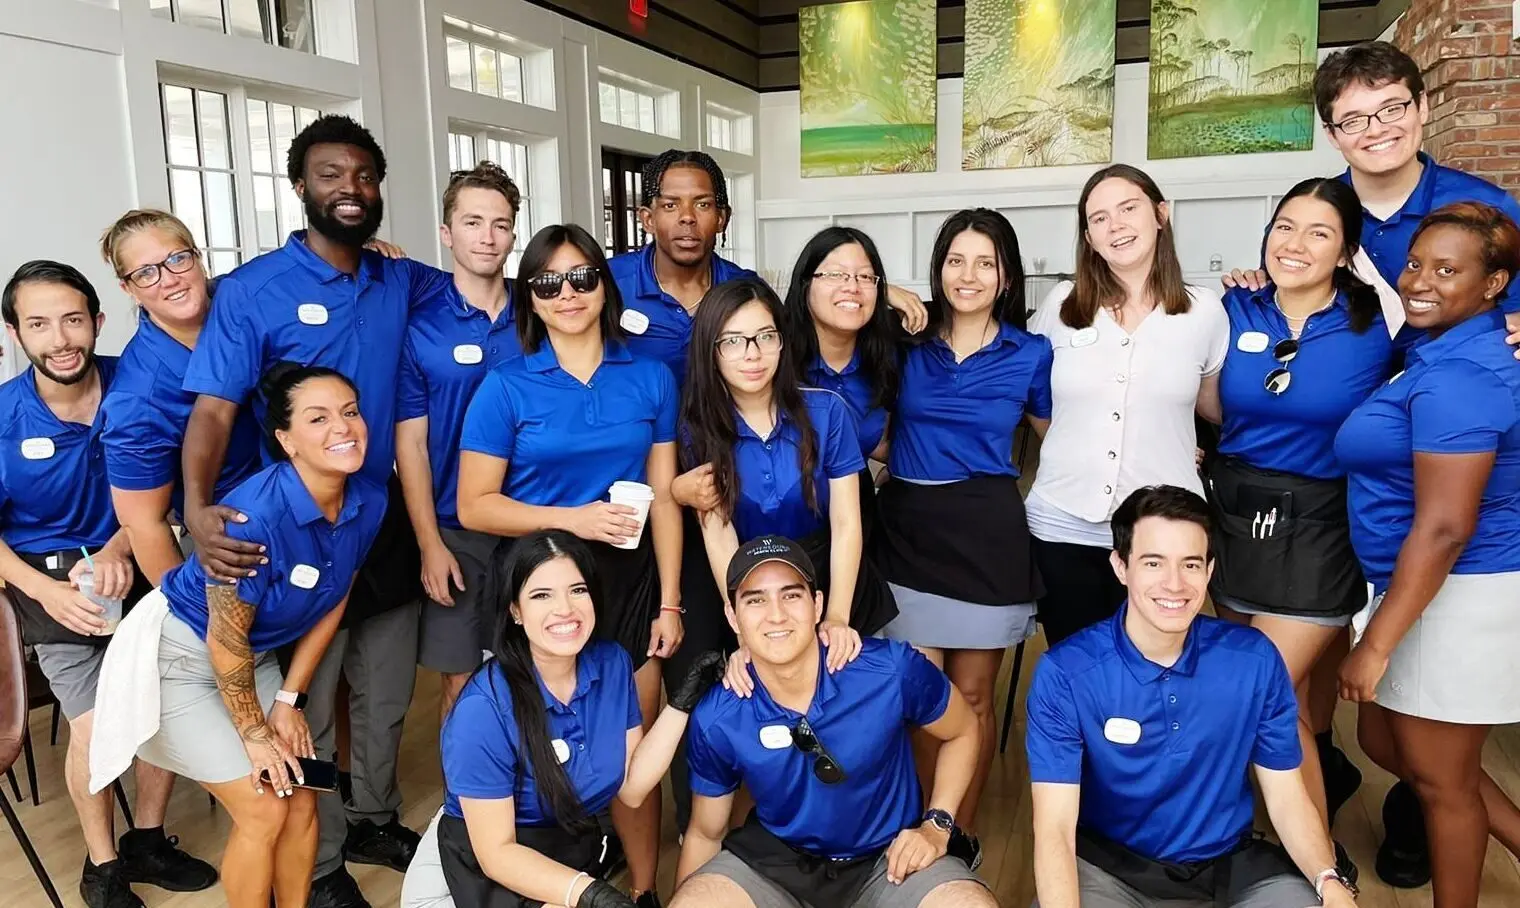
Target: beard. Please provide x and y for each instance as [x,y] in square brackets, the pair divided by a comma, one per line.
[323,221]
[86,366]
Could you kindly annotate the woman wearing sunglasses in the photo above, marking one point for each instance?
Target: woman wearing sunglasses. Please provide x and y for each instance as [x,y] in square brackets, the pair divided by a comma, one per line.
[547,436]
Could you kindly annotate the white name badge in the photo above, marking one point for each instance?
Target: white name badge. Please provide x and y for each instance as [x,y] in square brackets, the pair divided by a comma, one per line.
[1251,342]
[37,448]
[561,750]
[312,314]
[468,354]
[1122,731]
[1084,337]
[304,576]
[775,737]
[634,322]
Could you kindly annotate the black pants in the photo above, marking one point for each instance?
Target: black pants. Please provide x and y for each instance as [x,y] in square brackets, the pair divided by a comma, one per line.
[1080,587]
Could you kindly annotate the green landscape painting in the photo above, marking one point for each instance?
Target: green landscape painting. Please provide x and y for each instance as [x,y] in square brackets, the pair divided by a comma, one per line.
[1039,83]
[1231,76]
[868,87]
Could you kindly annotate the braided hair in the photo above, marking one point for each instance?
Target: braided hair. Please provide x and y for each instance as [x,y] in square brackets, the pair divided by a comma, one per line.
[654,175]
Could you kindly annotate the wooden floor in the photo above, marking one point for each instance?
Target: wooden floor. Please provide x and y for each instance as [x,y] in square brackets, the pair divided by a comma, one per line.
[1005,821]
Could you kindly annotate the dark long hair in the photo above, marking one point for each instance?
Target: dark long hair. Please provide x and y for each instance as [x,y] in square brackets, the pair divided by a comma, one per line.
[556,796]
[531,330]
[1009,306]
[876,342]
[278,387]
[710,425]
[1096,286]
[1361,299]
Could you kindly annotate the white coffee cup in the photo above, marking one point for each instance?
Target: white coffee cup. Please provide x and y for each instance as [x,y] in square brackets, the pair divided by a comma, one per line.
[635,495]
[113,607]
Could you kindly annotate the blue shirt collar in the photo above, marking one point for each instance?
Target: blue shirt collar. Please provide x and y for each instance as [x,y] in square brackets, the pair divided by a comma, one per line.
[544,359]
[1006,334]
[462,309]
[371,263]
[783,422]
[1419,202]
[1266,298]
[647,286]
[587,672]
[768,710]
[821,367]
[1144,670]
[1429,349]
[304,508]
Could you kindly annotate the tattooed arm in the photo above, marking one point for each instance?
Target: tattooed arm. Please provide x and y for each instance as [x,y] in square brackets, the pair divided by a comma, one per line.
[232,660]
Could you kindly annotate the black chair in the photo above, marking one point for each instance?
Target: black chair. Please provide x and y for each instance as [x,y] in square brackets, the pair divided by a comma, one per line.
[14,711]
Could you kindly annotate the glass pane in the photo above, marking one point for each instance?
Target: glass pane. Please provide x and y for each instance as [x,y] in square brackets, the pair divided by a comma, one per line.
[493,151]
[215,151]
[294,24]
[486,82]
[646,113]
[284,120]
[258,137]
[223,261]
[221,213]
[609,103]
[292,215]
[264,190]
[202,13]
[161,9]
[628,109]
[245,19]
[520,171]
[185,198]
[459,64]
[607,186]
[305,116]
[607,234]
[511,77]
[179,126]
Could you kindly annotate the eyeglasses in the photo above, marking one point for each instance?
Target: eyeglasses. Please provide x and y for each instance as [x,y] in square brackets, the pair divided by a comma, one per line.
[148,275]
[841,277]
[583,278]
[1278,380]
[825,768]
[734,347]
[1392,113]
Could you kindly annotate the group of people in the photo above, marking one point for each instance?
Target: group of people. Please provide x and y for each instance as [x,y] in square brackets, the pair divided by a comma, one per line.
[335,463]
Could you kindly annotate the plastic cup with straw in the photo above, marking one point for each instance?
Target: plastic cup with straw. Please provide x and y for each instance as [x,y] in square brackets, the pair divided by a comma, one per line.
[112,607]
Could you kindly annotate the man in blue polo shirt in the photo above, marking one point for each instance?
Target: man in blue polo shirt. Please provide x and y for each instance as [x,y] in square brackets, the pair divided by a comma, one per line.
[839,818]
[55,500]
[1144,732]
[322,299]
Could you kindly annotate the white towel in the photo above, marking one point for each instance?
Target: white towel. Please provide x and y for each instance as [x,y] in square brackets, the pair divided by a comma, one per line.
[1393,307]
[126,698]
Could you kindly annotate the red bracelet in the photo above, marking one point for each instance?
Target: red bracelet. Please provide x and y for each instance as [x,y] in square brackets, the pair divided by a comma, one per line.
[673,608]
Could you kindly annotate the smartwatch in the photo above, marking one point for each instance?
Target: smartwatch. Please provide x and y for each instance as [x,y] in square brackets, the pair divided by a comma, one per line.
[940,819]
[291,699]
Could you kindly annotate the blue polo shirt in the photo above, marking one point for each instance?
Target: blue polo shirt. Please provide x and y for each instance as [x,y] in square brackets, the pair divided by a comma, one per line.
[450,348]
[955,420]
[483,757]
[1460,394]
[290,304]
[566,443]
[1335,370]
[854,387]
[54,494]
[1387,242]
[1163,755]
[312,561]
[770,495]
[146,414]
[669,331]
[862,715]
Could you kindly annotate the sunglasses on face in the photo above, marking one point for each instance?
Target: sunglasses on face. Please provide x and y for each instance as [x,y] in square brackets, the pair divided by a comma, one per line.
[1278,380]
[582,278]
[825,767]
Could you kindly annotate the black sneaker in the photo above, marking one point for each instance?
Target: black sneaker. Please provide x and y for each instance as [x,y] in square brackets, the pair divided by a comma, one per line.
[391,845]
[1403,860]
[105,886]
[336,890]
[1342,778]
[968,848]
[149,856]
[647,899]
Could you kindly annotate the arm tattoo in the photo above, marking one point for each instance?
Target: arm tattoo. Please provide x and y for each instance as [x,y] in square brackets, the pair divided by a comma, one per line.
[232,658]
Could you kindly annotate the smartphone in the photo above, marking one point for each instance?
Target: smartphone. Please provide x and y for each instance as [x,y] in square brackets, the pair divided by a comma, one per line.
[320,775]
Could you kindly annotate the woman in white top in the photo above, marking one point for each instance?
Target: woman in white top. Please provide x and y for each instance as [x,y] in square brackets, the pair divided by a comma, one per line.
[1135,349]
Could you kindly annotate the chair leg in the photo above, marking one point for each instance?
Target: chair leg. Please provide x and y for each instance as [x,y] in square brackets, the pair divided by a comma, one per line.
[31,854]
[57,714]
[15,786]
[121,798]
[1013,689]
[31,768]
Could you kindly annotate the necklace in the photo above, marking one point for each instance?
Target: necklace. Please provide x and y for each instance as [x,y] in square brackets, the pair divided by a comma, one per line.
[690,310]
[1296,323]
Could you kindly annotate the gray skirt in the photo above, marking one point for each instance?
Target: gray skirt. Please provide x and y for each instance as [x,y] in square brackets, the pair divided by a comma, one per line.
[196,738]
[939,622]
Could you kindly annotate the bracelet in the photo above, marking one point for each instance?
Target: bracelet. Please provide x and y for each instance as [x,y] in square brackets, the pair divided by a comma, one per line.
[570,890]
[673,608]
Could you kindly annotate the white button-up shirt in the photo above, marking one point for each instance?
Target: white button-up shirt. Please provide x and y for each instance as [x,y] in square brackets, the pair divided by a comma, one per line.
[1123,415]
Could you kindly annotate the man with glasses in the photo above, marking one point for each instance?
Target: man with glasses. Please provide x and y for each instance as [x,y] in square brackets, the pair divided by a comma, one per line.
[839,818]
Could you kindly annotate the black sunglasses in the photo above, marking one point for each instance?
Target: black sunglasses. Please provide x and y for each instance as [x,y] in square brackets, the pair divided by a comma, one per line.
[1278,380]
[825,767]
[584,278]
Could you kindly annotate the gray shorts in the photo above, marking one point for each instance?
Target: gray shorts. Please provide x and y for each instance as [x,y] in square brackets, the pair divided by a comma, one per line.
[453,636]
[73,672]
[1103,890]
[878,893]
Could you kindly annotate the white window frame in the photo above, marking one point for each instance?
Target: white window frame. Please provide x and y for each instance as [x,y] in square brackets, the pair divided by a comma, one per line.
[665,104]
[170,10]
[735,129]
[535,64]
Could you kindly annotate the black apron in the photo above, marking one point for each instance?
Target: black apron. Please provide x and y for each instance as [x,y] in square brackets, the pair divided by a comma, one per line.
[966,540]
[630,599]
[872,607]
[391,575]
[37,626]
[808,878]
[1220,880]
[471,888]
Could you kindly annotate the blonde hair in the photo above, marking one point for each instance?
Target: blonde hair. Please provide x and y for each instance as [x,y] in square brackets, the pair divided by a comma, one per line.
[136,221]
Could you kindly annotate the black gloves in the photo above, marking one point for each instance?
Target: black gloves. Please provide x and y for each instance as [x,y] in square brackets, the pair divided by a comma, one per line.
[704,673]
[602,895]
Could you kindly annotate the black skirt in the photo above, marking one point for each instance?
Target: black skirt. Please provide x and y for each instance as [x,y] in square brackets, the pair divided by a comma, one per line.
[872,607]
[1282,543]
[630,599]
[471,888]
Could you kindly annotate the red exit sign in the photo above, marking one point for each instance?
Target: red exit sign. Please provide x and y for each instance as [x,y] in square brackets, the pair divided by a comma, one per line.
[639,8]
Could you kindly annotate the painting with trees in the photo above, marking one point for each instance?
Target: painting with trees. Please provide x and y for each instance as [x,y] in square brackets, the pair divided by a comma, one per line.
[1039,83]
[868,87]
[1231,76]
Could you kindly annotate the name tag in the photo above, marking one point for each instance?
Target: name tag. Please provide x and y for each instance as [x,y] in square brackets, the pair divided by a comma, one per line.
[775,737]
[1084,337]
[1251,342]
[304,576]
[37,448]
[634,322]
[312,314]
[561,750]
[1122,731]
[468,354]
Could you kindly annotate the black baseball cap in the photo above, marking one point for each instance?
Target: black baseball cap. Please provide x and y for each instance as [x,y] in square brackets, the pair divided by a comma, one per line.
[763,550]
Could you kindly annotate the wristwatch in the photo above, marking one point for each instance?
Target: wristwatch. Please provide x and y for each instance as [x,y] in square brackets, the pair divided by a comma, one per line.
[291,699]
[940,819]
[1328,874]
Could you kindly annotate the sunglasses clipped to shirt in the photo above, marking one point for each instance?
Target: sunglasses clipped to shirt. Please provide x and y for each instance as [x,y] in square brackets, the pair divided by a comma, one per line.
[825,767]
[1278,380]
[583,278]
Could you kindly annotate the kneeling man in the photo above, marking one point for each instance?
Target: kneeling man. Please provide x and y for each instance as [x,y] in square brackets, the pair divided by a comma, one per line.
[1144,730]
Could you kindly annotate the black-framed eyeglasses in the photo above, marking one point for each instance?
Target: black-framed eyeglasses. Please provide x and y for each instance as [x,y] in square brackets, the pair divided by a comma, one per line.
[1278,380]
[583,278]
[733,347]
[148,275]
[825,767]
[1389,113]
[837,278]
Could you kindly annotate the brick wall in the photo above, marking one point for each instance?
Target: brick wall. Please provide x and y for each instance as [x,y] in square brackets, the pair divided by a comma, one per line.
[1472,73]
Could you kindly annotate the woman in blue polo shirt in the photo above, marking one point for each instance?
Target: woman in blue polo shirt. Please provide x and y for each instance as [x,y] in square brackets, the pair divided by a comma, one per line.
[145,413]
[545,736]
[548,434]
[953,539]
[1433,466]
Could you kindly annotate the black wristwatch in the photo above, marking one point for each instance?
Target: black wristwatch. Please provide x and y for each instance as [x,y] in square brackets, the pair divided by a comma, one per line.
[940,819]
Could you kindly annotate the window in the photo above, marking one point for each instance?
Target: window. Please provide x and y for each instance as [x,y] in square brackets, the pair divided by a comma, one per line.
[286,23]
[633,104]
[466,149]
[622,184]
[729,130]
[277,208]
[198,147]
[495,64]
